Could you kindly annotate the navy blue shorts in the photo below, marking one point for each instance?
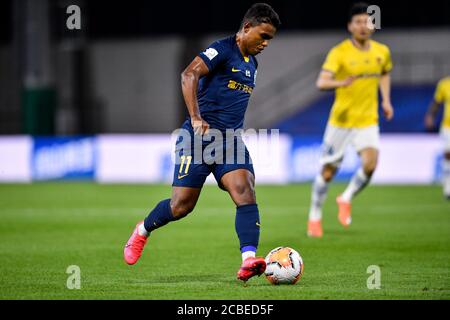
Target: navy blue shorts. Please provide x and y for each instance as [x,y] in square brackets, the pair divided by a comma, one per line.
[196,159]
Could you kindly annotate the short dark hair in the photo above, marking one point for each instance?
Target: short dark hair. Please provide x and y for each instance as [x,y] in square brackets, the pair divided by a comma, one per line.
[261,13]
[357,8]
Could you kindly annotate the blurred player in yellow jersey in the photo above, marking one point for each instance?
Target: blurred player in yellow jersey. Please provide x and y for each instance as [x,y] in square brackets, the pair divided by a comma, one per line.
[355,68]
[442,96]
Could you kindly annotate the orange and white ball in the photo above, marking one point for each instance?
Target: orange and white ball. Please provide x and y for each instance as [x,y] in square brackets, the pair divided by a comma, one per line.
[284,266]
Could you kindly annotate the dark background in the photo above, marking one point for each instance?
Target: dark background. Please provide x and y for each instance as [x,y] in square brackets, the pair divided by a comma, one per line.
[38,52]
[140,18]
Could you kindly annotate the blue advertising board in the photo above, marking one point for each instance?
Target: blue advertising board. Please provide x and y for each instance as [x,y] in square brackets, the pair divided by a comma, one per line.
[68,158]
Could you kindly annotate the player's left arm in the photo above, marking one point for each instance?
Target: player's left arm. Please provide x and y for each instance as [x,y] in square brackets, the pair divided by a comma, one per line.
[385,85]
[385,88]
[430,116]
[433,109]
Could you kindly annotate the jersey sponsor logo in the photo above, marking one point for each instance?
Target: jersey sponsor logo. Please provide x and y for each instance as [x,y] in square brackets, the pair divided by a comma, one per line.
[211,53]
[235,70]
[182,176]
[368,75]
[239,86]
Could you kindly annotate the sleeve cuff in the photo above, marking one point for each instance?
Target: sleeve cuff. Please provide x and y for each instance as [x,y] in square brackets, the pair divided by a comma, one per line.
[206,60]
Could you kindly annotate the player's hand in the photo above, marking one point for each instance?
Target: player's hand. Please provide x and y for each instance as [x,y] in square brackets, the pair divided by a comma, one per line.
[348,81]
[199,125]
[388,110]
[429,122]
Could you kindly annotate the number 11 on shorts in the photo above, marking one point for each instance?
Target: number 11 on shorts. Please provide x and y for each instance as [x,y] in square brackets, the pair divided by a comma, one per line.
[187,160]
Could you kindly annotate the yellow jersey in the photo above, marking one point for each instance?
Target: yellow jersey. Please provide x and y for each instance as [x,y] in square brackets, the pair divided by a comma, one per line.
[356,105]
[442,95]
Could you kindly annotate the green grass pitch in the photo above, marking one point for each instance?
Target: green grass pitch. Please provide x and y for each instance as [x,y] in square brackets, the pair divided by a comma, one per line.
[45,228]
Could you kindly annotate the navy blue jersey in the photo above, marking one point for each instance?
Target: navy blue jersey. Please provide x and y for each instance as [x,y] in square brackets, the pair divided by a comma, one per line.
[223,94]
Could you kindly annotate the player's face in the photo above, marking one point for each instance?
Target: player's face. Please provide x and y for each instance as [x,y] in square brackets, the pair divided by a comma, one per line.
[361,27]
[256,38]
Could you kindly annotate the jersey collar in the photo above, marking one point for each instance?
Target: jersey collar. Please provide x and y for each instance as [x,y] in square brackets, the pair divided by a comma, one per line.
[246,58]
[352,42]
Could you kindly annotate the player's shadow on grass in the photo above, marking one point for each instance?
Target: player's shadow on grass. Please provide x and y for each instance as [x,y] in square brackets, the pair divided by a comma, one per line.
[184,278]
[213,278]
[341,233]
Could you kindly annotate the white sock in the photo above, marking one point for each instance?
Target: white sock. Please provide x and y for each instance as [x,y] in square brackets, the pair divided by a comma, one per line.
[446,177]
[142,231]
[248,254]
[357,183]
[318,195]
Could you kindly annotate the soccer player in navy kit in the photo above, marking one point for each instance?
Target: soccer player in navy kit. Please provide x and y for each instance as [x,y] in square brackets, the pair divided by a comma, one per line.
[216,87]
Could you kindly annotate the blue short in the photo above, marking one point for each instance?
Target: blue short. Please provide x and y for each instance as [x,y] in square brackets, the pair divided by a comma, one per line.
[193,166]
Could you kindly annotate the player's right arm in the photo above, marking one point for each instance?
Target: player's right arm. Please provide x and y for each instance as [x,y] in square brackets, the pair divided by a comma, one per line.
[332,64]
[326,81]
[189,84]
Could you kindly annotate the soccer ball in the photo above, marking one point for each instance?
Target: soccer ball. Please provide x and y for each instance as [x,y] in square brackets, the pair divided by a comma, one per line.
[284,266]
